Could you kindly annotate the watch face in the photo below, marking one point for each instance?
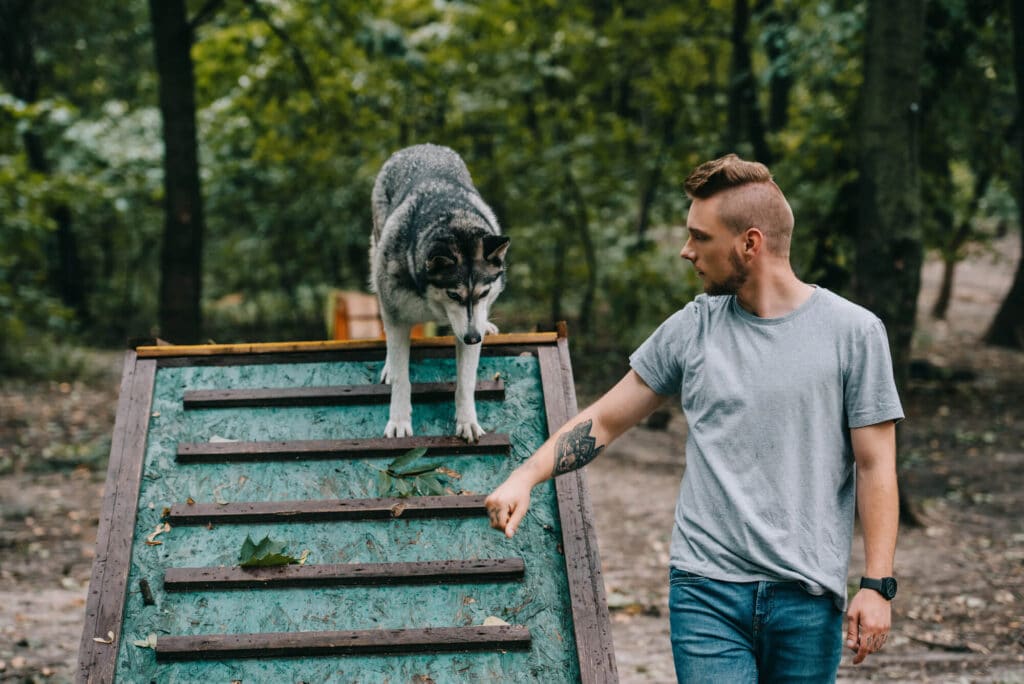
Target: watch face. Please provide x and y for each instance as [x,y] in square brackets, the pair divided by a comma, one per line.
[888,587]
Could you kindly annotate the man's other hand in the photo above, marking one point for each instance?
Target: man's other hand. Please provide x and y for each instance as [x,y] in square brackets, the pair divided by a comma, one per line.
[868,620]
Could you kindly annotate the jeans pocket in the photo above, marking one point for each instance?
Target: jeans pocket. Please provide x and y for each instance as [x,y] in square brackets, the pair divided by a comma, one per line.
[683,578]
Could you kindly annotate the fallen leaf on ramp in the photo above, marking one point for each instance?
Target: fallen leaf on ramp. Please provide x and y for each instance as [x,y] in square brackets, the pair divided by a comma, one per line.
[148,642]
[493,621]
[160,529]
[108,640]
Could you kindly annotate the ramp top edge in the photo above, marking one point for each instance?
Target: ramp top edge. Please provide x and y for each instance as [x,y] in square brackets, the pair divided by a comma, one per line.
[170,350]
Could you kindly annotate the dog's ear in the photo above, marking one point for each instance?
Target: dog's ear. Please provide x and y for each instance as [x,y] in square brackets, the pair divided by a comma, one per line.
[495,247]
[439,262]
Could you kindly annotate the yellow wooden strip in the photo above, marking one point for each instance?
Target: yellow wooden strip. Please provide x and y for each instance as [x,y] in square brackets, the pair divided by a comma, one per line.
[328,345]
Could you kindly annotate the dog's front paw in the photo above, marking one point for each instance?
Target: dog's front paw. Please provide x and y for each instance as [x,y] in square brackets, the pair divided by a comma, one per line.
[490,329]
[398,428]
[469,431]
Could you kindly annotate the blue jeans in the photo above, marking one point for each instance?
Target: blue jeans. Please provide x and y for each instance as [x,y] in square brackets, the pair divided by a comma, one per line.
[745,632]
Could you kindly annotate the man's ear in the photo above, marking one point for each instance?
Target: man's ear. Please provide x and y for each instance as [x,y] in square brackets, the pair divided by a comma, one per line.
[753,241]
[495,247]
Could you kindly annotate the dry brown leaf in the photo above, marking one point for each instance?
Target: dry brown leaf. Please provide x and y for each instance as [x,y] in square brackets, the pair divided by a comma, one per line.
[160,529]
[455,475]
[108,640]
[398,509]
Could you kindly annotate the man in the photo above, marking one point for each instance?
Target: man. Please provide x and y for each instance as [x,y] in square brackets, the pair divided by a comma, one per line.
[791,405]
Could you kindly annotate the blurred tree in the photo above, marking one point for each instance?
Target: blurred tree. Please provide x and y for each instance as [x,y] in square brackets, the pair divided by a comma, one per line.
[965,98]
[745,123]
[21,35]
[1007,329]
[182,247]
[890,239]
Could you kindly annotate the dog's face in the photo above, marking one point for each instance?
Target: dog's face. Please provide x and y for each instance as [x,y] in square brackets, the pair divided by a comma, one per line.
[464,277]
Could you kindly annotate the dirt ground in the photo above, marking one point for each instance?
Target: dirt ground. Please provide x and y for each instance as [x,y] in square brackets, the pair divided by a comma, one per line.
[959,616]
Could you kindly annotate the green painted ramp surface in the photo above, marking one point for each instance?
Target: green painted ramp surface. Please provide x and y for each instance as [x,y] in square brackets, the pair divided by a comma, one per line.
[538,600]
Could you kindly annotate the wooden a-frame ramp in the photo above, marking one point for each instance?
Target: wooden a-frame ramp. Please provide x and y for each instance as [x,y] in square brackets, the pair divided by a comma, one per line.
[214,442]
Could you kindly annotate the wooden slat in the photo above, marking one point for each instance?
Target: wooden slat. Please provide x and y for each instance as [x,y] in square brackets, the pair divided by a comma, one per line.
[159,351]
[219,452]
[355,642]
[346,574]
[592,624]
[327,509]
[340,395]
[109,582]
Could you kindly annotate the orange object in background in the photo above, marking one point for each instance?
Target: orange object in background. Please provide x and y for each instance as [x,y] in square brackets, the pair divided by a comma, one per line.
[356,316]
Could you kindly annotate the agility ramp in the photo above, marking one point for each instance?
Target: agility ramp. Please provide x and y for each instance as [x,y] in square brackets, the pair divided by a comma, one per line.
[213,443]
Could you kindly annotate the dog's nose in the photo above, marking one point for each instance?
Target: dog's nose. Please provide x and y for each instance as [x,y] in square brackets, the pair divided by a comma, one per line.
[471,338]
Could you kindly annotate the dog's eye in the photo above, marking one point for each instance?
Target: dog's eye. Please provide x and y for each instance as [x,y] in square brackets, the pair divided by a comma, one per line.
[454,296]
[485,293]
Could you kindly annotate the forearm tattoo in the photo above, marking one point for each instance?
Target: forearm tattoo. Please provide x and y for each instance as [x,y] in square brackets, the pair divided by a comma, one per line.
[576,448]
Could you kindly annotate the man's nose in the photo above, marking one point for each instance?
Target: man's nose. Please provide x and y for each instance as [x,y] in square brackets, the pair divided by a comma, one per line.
[687,251]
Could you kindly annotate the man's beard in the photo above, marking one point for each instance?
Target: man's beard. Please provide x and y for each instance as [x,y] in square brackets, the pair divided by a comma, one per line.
[733,282]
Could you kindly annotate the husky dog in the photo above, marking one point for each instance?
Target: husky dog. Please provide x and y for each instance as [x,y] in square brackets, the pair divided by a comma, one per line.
[436,253]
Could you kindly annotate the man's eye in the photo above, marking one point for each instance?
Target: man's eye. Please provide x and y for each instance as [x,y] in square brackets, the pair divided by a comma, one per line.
[453,295]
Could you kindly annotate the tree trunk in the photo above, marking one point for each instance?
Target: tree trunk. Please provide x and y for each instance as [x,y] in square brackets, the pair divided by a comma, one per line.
[959,238]
[889,251]
[1007,329]
[181,254]
[582,224]
[780,82]
[21,75]
[744,120]
[889,254]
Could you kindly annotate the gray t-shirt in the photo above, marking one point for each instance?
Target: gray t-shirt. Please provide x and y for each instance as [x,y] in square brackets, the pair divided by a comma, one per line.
[768,492]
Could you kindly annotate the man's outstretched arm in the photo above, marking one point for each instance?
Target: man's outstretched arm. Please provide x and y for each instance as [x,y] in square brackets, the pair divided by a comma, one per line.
[575,444]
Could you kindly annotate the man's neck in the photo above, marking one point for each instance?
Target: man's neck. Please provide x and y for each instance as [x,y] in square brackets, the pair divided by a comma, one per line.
[774,293]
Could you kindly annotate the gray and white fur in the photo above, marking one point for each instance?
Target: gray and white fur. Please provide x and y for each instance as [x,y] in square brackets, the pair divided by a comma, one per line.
[436,253]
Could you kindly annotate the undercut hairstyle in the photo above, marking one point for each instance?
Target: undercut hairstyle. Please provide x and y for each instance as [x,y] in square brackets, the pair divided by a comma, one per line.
[750,199]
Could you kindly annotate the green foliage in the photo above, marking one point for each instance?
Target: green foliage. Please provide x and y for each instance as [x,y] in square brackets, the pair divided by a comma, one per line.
[407,476]
[577,121]
[266,553]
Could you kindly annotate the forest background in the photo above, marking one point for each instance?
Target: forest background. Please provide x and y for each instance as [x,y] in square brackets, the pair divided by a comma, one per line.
[893,128]
[201,171]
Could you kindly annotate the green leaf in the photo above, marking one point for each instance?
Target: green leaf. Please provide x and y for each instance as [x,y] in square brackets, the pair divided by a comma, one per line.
[430,485]
[406,459]
[248,548]
[266,553]
[384,483]
[419,469]
[403,487]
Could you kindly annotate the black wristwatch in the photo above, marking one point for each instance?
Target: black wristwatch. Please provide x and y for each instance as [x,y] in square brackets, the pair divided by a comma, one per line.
[885,586]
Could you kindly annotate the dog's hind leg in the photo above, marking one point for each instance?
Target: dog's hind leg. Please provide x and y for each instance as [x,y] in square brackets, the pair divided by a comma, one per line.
[396,372]
[467,359]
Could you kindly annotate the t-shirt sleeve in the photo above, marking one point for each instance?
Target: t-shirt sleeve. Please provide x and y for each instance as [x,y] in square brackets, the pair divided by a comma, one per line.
[659,360]
[871,395]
